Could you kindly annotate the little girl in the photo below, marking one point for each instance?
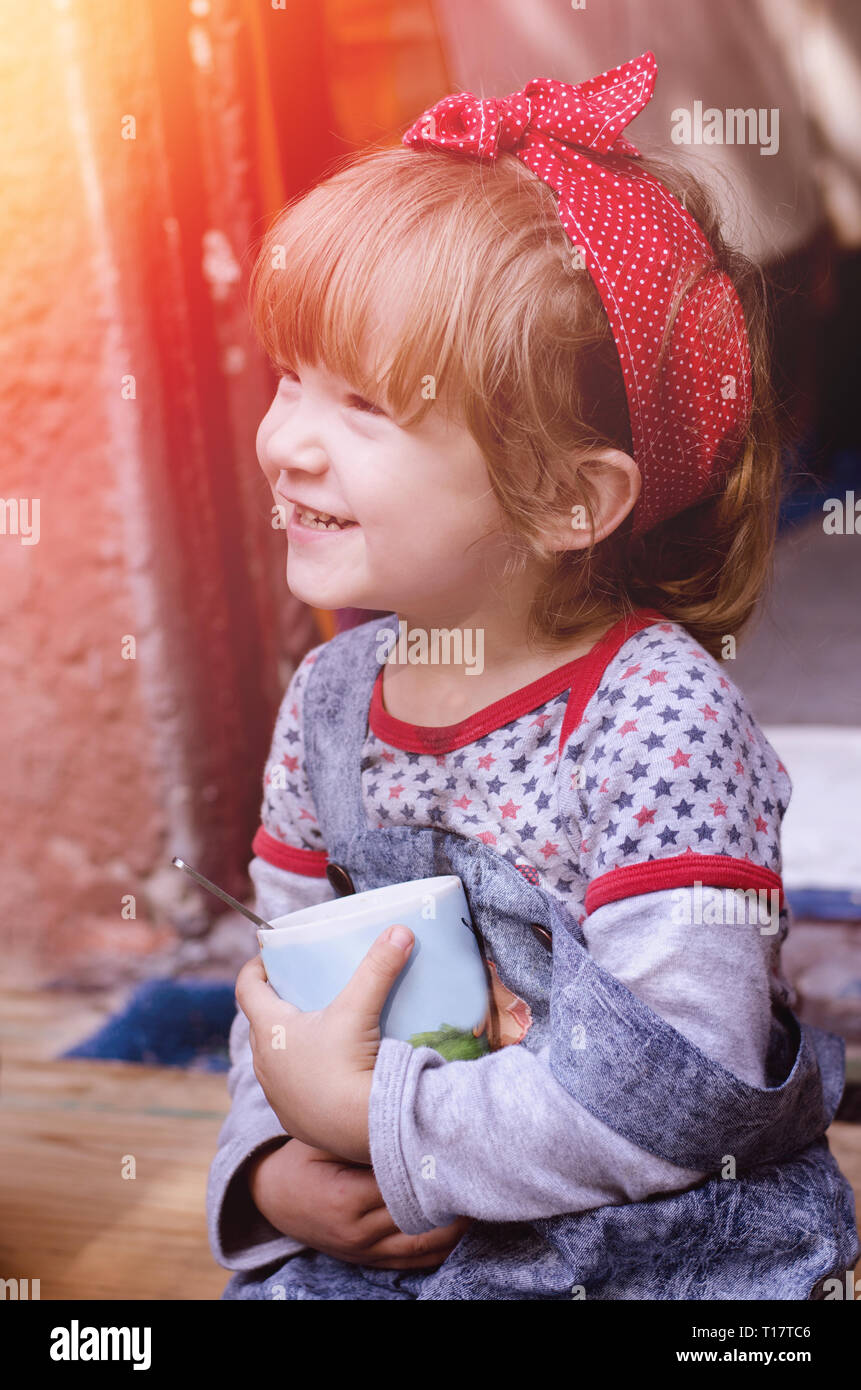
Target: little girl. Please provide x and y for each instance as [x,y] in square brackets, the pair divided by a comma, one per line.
[524,398]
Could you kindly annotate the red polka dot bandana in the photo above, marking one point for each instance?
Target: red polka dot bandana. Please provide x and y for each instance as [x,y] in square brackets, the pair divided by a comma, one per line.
[689,406]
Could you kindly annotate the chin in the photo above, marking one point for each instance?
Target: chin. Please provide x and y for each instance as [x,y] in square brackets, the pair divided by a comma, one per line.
[318,598]
[322,597]
[315,599]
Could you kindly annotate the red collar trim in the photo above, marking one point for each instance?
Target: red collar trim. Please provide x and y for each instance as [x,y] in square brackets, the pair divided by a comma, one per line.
[582,675]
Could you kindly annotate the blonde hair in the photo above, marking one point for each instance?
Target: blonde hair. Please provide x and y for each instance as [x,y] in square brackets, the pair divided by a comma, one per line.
[464,273]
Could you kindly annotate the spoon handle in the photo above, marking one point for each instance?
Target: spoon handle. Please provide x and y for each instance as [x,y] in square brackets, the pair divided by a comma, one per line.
[220,893]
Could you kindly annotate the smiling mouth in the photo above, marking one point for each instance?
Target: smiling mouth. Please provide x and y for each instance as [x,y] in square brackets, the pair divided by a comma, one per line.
[322,521]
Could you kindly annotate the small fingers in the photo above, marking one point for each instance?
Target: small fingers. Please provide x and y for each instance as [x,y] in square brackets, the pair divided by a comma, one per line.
[364,1196]
[387,1243]
[248,981]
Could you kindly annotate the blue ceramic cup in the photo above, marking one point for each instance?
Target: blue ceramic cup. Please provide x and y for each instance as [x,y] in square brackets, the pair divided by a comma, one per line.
[440,998]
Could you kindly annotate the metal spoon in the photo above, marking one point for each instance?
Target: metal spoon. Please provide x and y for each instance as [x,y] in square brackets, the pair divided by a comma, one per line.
[220,893]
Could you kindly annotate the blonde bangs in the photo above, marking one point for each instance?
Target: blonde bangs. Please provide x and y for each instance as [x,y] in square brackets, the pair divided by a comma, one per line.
[355,275]
[400,273]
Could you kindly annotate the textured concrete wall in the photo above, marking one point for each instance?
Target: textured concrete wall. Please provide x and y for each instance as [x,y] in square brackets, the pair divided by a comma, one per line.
[81,765]
[130,395]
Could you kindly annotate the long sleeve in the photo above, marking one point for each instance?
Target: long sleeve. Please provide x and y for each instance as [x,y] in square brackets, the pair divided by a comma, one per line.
[500,1139]
[239,1236]
[292,876]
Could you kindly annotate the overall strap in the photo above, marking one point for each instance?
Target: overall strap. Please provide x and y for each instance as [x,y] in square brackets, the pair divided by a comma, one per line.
[636,1073]
[335,724]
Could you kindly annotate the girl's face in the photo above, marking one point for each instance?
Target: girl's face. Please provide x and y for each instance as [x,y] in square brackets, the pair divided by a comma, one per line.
[424,535]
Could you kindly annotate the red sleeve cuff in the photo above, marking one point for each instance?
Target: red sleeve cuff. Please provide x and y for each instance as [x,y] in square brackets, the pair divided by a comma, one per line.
[311,862]
[681,871]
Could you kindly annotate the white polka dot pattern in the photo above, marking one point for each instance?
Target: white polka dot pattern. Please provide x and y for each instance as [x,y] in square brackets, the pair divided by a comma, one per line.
[688,409]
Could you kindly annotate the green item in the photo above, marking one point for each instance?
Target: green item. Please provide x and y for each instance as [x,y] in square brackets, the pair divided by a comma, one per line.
[453,1044]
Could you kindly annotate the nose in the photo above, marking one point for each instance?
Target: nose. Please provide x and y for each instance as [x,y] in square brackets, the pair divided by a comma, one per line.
[292,448]
[295,442]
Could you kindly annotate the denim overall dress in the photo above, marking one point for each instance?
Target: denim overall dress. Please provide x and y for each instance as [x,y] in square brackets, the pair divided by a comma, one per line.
[782,1225]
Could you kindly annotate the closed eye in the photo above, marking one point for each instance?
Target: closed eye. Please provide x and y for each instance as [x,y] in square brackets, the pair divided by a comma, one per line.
[355,401]
[367,407]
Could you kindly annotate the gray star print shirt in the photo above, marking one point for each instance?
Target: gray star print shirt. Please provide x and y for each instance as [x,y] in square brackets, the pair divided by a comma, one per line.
[658,793]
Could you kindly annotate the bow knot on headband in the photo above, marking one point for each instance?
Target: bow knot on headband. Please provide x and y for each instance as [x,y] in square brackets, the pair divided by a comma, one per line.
[689,407]
[593,117]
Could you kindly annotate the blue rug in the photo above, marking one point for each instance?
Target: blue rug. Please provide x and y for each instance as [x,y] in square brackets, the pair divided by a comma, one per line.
[844,475]
[826,904]
[168,1023]
[171,1023]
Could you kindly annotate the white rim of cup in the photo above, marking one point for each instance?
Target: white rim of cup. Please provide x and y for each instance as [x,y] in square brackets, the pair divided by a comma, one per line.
[366,904]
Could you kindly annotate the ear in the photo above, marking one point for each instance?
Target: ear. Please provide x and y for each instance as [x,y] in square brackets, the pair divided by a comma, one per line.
[616,486]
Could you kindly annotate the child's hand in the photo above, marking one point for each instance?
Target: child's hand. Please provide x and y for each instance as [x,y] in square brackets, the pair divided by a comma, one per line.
[337,1207]
[316,1069]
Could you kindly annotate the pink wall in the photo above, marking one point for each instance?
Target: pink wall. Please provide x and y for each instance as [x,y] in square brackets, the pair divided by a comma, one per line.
[129,257]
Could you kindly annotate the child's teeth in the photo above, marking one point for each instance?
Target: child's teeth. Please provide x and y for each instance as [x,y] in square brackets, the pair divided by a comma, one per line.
[322,521]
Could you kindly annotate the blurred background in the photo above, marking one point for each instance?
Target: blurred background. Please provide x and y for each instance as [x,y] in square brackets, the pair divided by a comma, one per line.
[147,632]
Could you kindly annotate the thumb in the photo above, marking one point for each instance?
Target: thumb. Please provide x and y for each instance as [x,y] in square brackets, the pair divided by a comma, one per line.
[368,990]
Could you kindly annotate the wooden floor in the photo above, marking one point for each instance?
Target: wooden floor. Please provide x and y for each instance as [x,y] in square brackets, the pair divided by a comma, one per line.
[67,1215]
